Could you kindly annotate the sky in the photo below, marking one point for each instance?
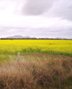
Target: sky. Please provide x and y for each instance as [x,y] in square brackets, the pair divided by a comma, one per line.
[36,18]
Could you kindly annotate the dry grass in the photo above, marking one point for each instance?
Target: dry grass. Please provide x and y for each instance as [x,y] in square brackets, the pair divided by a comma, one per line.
[37,71]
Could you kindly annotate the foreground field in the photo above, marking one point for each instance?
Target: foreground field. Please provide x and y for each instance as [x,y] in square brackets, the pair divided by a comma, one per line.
[35,64]
[63,47]
[36,71]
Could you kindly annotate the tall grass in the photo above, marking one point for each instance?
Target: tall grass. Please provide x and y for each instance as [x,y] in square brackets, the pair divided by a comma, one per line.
[36,71]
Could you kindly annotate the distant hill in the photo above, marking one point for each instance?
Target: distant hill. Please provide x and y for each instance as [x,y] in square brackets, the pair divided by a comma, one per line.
[16,36]
[27,37]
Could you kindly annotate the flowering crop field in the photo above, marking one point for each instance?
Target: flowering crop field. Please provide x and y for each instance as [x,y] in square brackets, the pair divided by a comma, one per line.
[36,46]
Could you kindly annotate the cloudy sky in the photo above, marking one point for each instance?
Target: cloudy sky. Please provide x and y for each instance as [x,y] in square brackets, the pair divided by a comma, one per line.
[36,18]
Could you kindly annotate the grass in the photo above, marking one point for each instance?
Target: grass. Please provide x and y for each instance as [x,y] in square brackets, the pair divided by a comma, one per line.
[36,71]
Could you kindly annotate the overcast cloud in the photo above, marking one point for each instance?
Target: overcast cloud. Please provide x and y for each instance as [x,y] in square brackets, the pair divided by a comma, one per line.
[36,18]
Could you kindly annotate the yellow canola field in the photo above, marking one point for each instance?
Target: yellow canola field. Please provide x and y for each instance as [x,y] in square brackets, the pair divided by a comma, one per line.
[12,46]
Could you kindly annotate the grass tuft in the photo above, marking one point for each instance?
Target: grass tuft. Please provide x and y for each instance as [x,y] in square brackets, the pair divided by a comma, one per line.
[37,71]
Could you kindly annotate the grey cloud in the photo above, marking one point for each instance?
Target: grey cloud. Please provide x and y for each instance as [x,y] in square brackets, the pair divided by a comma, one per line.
[61,8]
[37,7]
[54,8]
[54,32]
